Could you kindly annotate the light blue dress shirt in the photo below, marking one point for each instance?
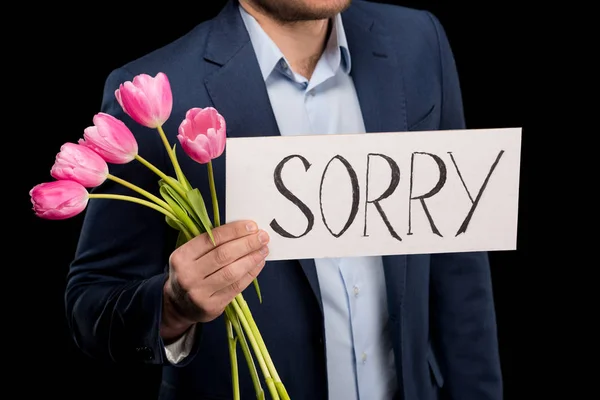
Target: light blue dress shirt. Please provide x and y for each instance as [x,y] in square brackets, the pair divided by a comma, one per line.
[360,360]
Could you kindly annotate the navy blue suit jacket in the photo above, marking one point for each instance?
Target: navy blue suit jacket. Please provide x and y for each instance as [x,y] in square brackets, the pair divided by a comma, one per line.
[440,306]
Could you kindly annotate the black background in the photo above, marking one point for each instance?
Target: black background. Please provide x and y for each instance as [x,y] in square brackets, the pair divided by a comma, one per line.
[77,47]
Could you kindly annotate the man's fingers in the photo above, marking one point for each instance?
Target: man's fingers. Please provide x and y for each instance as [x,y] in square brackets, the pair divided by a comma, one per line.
[235,271]
[227,293]
[232,251]
[202,244]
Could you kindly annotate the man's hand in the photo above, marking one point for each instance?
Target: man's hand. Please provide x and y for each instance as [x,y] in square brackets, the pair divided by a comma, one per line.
[205,277]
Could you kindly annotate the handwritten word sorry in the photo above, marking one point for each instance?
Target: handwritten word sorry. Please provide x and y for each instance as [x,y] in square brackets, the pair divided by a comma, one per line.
[395,177]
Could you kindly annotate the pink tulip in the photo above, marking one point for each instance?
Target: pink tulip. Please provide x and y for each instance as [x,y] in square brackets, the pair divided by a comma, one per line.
[202,134]
[80,164]
[111,139]
[58,199]
[147,100]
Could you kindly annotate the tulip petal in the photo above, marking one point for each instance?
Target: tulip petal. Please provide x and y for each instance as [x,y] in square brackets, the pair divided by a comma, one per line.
[191,113]
[160,90]
[80,164]
[118,132]
[141,81]
[58,199]
[147,100]
[135,104]
[111,139]
[203,134]
[195,149]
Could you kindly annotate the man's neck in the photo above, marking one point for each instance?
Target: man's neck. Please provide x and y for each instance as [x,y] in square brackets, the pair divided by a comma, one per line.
[302,42]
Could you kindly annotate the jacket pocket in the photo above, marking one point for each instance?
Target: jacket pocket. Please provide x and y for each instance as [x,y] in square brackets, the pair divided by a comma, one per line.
[425,122]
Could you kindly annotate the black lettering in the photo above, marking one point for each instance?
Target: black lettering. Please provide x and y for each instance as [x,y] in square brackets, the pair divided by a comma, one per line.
[355,194]
[291,197]
[475,202]
[440,183]
[395,179]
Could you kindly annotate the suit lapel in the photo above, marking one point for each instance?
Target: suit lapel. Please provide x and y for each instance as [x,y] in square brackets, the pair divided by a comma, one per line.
[376,74]
[238,91]
[310,271]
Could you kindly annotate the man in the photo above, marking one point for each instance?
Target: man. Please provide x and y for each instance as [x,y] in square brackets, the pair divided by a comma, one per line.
[398,327]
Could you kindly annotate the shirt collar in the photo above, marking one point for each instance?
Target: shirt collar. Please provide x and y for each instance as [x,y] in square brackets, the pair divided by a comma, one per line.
[268,54]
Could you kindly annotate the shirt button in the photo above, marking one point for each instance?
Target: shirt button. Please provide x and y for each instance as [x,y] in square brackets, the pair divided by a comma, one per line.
[356,291]
[364,358]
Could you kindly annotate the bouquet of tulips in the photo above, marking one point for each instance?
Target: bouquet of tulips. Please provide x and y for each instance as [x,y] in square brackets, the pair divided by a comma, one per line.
[79,166]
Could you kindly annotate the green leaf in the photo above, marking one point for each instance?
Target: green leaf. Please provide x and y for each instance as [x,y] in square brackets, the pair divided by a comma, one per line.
[180,176]
[168,193]
[174,183]
[175,224]
[172,223]
[167,190]
[257,288]
[181,239]
[184,235]
[179,206]
[184,204]
[194,207]
[197,203]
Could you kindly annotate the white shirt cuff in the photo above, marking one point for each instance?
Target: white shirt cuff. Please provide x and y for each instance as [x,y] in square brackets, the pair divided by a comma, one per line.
[181,348]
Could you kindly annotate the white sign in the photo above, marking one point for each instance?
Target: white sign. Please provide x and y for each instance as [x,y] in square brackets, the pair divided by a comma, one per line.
[378,193]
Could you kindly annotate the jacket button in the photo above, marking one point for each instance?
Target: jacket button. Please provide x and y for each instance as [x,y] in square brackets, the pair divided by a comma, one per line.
[145,353]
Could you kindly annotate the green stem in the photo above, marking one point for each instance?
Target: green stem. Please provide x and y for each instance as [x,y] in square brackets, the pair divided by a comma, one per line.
[233,358]
[170,151]
[213,194]
[239,299]
[217,218]
[229,317]
[141,191]
[161,174]
[257,349]
[217,222]
[151,167]
[230,312]
[189,223]
[134,200]
[177,187]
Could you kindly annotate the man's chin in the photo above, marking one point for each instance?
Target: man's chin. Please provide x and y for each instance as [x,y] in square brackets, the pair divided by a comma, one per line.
[301,10]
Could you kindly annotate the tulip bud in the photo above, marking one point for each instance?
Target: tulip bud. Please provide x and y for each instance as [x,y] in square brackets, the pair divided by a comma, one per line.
[111,139]
[147,100]
[202,134]
[58,199]
[80,164]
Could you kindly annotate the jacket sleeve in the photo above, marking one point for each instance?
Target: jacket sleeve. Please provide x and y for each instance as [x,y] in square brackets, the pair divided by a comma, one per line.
[463,320]
[115,283]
